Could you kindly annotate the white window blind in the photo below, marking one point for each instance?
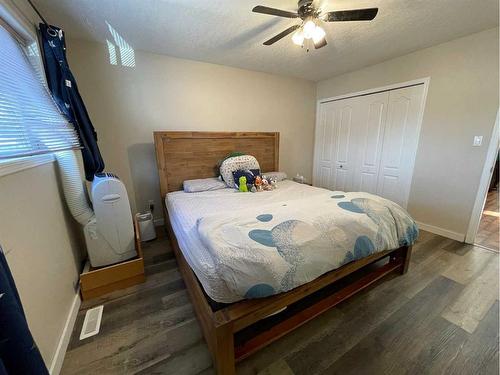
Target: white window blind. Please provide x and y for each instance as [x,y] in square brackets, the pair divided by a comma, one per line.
[30,122]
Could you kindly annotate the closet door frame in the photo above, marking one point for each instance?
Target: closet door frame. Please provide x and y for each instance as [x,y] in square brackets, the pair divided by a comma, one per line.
[420,81]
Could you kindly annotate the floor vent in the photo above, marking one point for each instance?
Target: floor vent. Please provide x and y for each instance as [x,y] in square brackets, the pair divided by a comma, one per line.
[92,322]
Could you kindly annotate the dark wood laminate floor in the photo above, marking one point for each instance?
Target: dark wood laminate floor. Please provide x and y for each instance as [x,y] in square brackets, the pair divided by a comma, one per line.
[440,318]
[489,226]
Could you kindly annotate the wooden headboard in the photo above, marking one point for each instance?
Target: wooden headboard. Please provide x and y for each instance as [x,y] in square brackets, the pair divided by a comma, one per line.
[188,155]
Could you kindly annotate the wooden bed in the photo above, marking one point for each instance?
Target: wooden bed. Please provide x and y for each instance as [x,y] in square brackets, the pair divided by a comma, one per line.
[237,330]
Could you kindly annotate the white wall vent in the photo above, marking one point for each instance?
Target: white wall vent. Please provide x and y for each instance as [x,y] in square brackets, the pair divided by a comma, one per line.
[92,322]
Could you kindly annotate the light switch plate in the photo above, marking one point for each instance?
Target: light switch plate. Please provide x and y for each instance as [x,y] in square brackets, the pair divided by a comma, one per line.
[478,140]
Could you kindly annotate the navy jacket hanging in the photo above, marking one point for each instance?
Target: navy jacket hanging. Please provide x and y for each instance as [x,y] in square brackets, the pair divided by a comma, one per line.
[63,86]
[19,354]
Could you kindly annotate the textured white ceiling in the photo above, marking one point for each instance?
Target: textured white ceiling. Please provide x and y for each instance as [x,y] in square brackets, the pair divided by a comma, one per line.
[226,32]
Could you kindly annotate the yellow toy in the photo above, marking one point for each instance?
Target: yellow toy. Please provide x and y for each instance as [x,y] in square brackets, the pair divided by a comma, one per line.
[243,184]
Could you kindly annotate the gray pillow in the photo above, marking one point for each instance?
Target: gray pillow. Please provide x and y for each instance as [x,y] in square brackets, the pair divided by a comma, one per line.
[278,176]
[203,184]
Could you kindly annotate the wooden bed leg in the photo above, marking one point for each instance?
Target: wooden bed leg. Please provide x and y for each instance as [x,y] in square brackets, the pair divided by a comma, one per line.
[402,255]
[224,351]
[406,255]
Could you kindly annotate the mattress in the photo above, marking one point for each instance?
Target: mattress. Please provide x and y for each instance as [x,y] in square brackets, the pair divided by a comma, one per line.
[185,209]
[244,245]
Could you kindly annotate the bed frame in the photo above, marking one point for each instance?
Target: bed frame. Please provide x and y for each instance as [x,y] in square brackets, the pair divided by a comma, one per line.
[237,330]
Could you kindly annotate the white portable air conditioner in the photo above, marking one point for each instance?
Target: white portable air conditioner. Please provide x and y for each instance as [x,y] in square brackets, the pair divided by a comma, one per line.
[110,233]
[108,229]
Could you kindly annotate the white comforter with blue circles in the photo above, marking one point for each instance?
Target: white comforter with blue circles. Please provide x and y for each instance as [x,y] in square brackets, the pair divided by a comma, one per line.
[276,247]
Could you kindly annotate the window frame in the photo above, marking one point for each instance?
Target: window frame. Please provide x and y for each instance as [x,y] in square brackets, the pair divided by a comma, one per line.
[24,31]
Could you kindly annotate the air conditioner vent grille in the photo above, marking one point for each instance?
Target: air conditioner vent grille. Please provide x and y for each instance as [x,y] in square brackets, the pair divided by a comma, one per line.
[92,322]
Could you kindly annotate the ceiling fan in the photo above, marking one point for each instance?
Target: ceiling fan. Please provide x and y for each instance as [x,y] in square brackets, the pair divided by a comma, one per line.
[310,16]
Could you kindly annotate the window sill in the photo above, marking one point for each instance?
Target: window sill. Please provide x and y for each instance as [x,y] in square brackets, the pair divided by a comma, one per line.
[10,166]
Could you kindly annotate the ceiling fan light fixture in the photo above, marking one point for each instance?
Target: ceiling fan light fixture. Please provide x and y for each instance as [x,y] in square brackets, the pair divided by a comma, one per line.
[318,34]
[298,38]
[309,28]
[312,16]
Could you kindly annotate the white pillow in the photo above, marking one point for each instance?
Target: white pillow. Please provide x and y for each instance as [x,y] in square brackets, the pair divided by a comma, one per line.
[203,184]
[236,163]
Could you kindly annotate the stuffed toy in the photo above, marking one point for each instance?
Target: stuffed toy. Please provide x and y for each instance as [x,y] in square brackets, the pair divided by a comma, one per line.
[266,185]
[243,184]
[248,173]
[258,183]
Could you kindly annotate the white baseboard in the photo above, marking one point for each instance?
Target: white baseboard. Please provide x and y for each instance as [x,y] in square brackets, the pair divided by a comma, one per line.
[442,232]
[57,361]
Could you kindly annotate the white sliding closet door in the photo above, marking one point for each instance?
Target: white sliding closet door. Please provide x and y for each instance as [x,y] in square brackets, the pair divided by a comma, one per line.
[400,144]
[323,164]
[368,143]
[343,150]
[334,149]
[370,135]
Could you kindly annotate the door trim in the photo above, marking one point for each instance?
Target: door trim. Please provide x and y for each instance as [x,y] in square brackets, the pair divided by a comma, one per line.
[401,85]
[484,183]
[420,81]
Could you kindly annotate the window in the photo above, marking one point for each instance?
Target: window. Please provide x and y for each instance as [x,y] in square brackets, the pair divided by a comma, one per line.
[30,123]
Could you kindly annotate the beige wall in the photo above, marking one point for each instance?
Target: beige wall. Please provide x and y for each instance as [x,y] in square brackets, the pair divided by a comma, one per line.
[162,93]
[41,242]
[462,102]
[42,249]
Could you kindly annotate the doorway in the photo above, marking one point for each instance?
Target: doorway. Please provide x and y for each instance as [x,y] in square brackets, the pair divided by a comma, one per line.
[488,232]
[484,223]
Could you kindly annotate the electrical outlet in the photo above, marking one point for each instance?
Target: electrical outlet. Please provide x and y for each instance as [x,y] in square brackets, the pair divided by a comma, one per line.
[478,141]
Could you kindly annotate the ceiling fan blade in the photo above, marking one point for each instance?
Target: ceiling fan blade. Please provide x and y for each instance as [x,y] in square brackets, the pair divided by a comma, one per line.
[352,15]
[274,12]
[320,44]
[281,35]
